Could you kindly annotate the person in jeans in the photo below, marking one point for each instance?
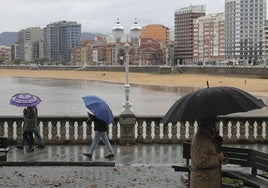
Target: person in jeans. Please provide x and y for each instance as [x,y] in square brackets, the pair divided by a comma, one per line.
[100,128]
[36,133]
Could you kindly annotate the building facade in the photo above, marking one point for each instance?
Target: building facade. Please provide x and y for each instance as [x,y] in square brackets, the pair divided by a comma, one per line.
[59,39]
[244,28]
[209,39]
[161,33]
[183,32]
[26,38]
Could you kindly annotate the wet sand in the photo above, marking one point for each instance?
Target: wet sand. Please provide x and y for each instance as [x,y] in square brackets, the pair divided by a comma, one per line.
[253,85]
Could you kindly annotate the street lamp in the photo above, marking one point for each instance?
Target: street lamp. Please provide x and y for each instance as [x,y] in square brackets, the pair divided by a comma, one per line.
[135,33]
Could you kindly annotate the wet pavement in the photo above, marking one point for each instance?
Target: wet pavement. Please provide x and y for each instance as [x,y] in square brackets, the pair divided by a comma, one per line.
[65,166]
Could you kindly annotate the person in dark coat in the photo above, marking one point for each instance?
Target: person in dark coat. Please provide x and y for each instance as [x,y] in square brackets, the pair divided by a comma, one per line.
[30,124]
[206,156]
[36,132]
[100,128]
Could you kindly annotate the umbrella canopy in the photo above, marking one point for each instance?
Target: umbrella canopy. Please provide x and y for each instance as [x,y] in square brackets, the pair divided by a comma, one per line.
[211,102]
[24,100]
[99,108]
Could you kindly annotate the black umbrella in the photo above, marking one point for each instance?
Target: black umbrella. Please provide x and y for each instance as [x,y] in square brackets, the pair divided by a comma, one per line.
[211,102]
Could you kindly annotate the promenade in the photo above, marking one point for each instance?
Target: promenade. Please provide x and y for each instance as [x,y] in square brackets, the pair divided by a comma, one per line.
[141,166]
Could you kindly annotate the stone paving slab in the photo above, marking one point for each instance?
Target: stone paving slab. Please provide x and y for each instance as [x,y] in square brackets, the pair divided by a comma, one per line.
[90,177]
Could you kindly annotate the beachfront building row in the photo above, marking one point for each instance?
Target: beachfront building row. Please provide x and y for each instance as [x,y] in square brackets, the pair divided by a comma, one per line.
[241,30]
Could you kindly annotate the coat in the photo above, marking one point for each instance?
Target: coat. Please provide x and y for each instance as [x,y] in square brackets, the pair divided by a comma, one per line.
[205,163]
[30,119]
[99,125]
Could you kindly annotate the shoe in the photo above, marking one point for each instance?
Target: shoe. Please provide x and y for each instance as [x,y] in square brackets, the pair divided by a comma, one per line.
[19,146]
[109,156]
[41,146]
[31,148]
[87,154]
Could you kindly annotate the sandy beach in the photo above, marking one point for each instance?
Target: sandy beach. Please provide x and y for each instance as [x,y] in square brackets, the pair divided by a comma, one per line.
[253,85]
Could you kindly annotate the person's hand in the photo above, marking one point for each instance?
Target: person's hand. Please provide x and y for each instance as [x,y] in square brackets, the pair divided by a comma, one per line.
[223,158]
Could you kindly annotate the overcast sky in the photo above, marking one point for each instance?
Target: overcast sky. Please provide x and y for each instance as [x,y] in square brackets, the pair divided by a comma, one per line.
[95,15]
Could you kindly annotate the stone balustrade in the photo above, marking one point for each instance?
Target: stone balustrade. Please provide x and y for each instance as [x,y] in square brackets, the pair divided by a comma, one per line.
[147,130]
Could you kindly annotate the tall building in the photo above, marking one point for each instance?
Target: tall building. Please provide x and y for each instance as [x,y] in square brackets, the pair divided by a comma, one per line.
[209,39]
[265,43]
[59,39]
[26,38]
[183,32]
[244,25]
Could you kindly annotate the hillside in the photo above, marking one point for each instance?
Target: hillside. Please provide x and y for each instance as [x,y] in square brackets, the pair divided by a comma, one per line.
[8,38]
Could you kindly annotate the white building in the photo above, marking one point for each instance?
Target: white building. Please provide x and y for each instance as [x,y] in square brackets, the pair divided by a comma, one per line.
[244,25]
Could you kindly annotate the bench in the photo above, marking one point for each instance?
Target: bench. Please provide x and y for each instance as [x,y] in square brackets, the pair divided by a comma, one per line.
[3,149]
[255,161]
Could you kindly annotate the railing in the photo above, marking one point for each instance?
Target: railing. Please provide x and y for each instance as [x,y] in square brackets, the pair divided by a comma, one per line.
[74,130]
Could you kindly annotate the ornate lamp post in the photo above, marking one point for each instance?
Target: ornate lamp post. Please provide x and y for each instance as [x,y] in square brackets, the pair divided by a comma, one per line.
[117,32]
[127,117]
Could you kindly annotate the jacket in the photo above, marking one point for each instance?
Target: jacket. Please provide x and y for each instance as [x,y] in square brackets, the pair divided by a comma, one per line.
[99,125]
[30,119]
[205,163]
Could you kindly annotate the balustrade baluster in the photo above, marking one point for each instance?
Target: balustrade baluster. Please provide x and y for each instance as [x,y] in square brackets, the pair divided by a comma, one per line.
[165,138]
[157,132]
[191,130]
[10,130]
[183,132]
[148,128]
[225,136]
[251,137]
[266,131]
[46,132]
[89,133]
[71,131]
[242,137]
[140,131]
[233,137]
[259,137]
[54,138]
[19,131]
[2,128]
[62,132]
[80,139]
[174,131]
[114,132]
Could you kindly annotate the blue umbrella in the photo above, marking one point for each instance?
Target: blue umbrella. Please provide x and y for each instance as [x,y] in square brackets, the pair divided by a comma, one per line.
[24,100]
[99,108]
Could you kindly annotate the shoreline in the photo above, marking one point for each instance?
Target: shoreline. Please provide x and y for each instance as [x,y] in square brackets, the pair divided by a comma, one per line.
[253,85]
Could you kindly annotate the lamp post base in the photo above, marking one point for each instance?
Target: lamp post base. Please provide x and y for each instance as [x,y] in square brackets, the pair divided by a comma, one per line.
[127,129]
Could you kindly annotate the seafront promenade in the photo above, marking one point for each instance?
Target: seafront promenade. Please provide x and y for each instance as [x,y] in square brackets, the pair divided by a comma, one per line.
[141,166]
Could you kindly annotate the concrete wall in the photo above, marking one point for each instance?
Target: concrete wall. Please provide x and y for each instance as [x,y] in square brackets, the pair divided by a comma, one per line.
[253,72]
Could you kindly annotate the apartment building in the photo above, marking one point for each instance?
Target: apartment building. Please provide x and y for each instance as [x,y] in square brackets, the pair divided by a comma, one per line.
[244,28]
[59,39]
[209,39]
[26,38]
[161,33]
[183,32]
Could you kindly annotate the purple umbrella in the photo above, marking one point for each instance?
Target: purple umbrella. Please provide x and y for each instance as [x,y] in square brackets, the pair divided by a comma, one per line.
[24,100]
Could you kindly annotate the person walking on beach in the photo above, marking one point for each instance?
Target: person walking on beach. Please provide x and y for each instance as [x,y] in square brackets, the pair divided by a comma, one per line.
[36,132]
[206,156]
[100,128]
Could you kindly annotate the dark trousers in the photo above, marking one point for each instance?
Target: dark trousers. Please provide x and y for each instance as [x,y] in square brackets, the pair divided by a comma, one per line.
[28,136]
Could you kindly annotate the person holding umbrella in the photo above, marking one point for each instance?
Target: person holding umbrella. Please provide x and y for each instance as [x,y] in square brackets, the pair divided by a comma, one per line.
[30,124]
[102,116]
[207,156]
[100,128]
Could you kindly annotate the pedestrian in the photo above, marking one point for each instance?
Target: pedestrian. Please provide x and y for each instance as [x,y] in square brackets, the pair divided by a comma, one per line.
[41,143]
[206,156]
[30,124]
[100,128]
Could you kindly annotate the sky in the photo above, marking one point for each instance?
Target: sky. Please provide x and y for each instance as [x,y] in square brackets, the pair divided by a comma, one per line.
[95,15]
